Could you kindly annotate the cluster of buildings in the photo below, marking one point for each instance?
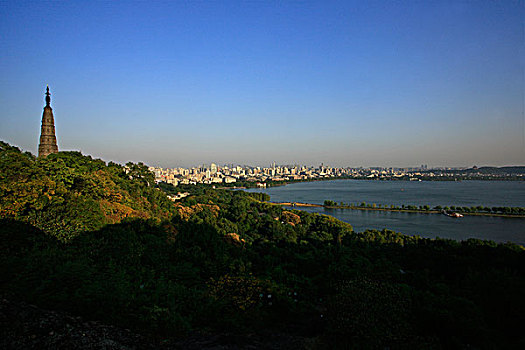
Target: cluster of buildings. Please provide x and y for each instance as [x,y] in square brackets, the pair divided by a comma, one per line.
[214,174]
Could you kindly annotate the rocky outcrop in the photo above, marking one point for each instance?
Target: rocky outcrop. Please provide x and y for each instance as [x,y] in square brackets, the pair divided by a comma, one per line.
[24,326]
[234,238]
[290,218]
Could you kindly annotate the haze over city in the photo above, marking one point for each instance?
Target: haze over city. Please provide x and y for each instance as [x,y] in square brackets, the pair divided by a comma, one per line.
[341,83]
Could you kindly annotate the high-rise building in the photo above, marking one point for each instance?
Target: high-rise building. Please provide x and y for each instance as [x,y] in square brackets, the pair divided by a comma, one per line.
[48,140]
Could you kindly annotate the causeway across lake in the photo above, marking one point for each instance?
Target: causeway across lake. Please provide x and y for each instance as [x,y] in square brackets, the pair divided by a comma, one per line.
[432,193]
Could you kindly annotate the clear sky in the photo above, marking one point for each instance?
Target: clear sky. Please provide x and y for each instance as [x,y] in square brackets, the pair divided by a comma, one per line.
[347,83]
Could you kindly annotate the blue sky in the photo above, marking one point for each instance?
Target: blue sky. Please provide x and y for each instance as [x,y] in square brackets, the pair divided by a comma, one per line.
[347,83]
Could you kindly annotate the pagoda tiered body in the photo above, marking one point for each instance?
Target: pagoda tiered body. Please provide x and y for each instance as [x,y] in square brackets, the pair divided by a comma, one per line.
[48,140]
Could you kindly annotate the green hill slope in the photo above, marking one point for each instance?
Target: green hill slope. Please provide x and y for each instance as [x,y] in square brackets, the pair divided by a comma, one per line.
[67,193]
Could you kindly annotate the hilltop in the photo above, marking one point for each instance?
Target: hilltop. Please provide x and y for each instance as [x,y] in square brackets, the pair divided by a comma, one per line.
[67,193]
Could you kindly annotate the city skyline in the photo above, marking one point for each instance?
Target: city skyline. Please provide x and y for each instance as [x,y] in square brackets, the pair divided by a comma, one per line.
[259,176]
[347,84]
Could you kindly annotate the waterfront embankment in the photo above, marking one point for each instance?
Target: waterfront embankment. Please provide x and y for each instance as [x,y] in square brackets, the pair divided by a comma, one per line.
[296,204]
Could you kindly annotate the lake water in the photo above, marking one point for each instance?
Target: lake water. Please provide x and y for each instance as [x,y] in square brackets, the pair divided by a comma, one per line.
[444,193]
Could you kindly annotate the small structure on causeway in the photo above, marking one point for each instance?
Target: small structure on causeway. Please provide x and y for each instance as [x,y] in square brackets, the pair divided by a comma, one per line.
[48,140]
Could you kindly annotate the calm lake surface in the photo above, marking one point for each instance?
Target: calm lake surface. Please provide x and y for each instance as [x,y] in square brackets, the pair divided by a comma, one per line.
[444,193]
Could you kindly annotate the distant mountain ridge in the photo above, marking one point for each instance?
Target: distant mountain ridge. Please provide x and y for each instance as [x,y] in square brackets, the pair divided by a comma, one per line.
[506,170]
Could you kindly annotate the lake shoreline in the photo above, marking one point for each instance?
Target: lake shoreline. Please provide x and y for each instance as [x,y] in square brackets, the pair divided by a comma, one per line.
[252,185]
[390,199]
[296,204]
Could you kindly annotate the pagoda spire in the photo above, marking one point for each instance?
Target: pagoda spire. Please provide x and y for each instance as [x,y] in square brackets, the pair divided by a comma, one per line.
[48,140]
[48,97]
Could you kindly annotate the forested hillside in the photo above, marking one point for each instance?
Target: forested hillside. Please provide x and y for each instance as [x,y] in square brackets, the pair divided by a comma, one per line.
[68,193]
[103,242]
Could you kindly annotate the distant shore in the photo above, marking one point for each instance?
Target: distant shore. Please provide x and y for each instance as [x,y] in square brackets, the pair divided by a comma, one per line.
[269,183]
[296,204]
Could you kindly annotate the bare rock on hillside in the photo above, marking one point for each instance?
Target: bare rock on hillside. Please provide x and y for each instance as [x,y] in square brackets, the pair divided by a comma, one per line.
[234,238]
[25,326]
[290,218]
